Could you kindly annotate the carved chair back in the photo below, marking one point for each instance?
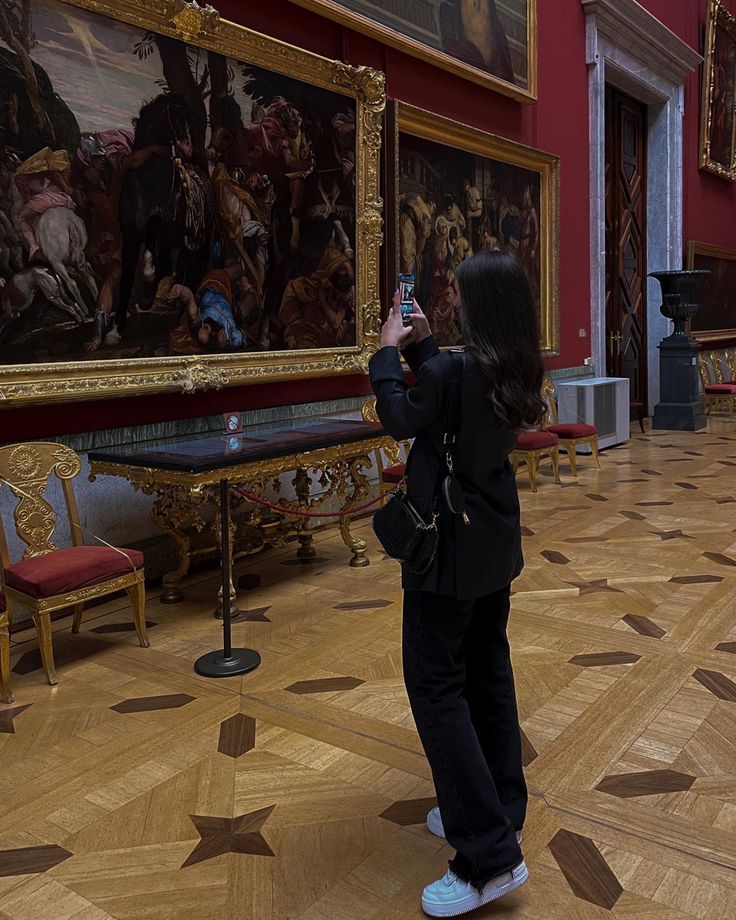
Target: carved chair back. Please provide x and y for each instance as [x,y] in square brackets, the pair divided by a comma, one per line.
[548,395]
[26,469]
[704,361]
[731,362]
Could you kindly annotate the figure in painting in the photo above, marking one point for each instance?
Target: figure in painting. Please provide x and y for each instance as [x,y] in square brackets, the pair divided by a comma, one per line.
[473,33]
[319,311]
[473,212]
[213,319]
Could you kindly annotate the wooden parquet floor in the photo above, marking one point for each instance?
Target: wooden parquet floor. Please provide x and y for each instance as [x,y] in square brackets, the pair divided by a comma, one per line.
[136,789]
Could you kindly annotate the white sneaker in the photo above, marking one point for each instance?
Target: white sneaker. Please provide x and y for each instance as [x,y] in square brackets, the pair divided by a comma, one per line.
[434,824]
[450,897]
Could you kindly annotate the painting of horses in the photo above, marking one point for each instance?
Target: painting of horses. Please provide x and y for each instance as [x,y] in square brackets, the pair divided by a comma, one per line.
[162,199]
[454,201]
[491,42]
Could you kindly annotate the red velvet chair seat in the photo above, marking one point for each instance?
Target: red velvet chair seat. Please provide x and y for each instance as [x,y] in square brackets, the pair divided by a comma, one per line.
[572,431]
[68,569]
[536,440]
[394,473]
[721,389]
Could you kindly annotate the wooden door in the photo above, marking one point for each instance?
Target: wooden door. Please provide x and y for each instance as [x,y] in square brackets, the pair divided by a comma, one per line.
[626,241]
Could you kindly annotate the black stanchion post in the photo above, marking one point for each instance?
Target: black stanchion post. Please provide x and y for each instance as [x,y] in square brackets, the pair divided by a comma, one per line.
[229,661]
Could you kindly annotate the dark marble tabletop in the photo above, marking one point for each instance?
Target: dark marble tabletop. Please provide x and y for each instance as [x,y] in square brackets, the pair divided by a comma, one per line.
[205,453]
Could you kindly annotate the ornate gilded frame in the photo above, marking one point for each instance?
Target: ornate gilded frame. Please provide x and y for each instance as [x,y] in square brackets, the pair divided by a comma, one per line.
[714,252]
[352,20]
[718,18]
[202,26]
[411,120]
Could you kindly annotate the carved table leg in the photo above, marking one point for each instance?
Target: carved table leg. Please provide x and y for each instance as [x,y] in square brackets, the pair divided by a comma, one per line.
[302,484]
[6,694]
[359,491]
[175,508]
[214,496]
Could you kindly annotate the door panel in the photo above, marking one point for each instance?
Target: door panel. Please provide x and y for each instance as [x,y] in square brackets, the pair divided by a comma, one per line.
[626,247]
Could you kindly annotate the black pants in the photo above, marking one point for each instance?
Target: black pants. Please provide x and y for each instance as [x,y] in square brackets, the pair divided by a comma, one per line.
[457,670]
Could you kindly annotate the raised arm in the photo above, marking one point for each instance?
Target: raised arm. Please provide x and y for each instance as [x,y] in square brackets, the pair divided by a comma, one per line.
[404,411]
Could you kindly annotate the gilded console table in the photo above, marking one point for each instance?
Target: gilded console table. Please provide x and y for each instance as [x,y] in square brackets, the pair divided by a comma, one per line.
[185,476]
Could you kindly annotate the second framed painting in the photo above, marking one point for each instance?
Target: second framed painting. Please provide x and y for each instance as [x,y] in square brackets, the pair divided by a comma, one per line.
[457,190]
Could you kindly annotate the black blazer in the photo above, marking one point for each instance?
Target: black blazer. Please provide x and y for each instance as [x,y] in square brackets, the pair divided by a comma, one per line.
[485,556]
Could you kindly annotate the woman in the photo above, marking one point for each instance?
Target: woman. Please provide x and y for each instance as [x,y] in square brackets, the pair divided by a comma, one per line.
[457,667]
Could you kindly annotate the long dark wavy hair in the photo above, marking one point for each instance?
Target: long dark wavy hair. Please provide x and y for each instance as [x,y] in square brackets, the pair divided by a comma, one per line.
[501,331]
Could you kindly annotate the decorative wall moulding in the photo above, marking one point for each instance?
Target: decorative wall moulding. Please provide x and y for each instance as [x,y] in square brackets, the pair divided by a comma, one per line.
[627,22]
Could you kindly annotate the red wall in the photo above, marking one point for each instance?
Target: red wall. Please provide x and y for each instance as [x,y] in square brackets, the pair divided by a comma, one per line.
[558,123]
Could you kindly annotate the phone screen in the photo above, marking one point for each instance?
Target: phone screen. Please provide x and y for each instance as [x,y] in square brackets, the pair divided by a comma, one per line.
[406,297]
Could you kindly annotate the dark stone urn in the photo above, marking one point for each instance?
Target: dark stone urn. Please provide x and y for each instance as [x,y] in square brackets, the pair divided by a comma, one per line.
[680,407]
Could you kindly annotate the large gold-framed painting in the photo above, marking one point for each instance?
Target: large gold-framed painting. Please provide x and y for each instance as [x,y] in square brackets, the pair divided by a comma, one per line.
[461,190]
[491,42]
[718,107]
[183,202]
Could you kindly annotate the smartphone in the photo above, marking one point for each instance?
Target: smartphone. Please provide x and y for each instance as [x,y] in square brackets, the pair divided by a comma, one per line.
[406,297]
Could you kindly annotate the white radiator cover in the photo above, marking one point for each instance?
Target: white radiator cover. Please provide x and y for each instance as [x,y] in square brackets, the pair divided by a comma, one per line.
[599,401]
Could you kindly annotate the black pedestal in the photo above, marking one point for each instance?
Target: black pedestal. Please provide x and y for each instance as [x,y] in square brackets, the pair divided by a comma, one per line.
[680,407]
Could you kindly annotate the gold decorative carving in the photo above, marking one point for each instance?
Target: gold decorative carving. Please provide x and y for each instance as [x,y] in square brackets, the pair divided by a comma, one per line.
[191,20]
[201,377]
[202,26]
[26,469]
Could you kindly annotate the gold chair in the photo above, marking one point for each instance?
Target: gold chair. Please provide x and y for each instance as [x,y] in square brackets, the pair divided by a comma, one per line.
[47,578]
[717,393]
[388,476]
[531,448]
[571,434]
[731,362]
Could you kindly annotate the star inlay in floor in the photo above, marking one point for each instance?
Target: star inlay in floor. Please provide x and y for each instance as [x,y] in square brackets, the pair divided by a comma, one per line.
[230,835]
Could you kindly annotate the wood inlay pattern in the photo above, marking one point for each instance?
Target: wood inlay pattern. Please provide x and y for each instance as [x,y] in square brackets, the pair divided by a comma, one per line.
[633,515]
[554,557]
[31,860]
[729,647]
[720,559]
[230,835]
[594,497]
[363,605]
[237,735]
[257,615]
[249,581]
[528,754]
[696,579]
[153,703]
[718,684]
[7,717]
[409,811]
[650,782]
[325,685]
[105,628]
[644,626]
[587,872]
[604,659]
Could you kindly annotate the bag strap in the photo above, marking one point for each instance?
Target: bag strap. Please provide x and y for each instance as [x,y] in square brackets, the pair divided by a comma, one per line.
[453,408]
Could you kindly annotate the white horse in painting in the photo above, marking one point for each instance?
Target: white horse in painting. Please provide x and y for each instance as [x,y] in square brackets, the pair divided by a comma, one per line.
[62,237]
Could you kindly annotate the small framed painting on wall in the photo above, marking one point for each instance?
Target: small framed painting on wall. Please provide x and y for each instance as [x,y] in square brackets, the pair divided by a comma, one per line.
[718,113]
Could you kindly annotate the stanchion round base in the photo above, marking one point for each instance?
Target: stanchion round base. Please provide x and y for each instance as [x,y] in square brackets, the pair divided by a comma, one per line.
[214,664]
[235,613]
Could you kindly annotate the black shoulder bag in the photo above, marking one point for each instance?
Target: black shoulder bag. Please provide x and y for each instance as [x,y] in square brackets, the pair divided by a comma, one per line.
[400,528]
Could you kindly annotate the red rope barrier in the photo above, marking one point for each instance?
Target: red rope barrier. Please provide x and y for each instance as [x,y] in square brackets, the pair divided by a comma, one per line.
[281,509]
